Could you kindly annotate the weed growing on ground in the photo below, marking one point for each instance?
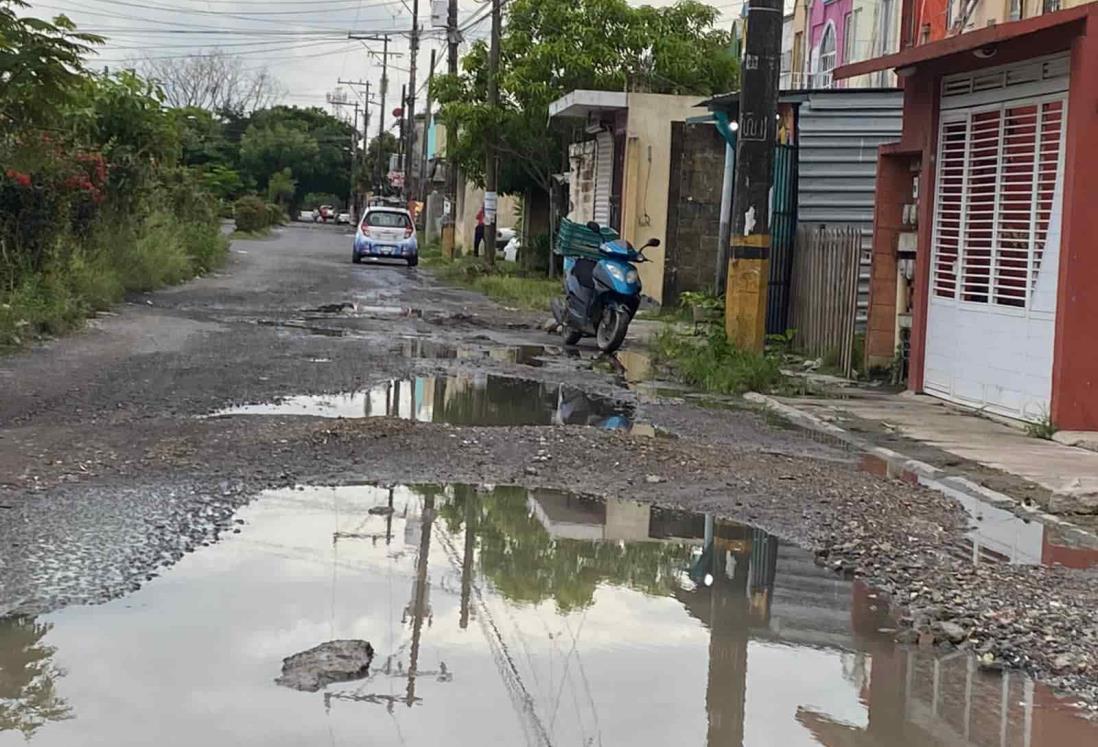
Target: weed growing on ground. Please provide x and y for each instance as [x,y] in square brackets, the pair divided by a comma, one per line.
[714,364]
[1043,429]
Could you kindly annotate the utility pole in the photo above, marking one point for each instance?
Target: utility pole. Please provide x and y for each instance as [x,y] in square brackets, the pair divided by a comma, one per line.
[385,55]
[410,186]
[453,38]
[422,175]
[402,143]
[365,114]
[491,170]
[339,102]
[749,270]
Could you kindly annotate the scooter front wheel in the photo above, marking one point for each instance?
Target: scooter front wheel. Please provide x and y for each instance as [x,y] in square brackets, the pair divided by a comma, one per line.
[612,328]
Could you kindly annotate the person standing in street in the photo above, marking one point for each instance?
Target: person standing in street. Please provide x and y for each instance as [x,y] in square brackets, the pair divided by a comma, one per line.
[478,237]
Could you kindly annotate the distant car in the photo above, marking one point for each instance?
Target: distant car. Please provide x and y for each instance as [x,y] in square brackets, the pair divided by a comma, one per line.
[386,233]
[343,219]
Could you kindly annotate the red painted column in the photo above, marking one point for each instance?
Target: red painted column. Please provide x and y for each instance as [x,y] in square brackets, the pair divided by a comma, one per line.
[921,133]
[1075,362]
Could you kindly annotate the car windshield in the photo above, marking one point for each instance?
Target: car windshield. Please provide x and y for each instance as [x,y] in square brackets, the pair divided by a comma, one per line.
[385,219]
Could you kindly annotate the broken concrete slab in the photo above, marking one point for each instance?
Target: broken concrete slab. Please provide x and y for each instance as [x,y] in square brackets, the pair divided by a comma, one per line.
[1080,439]
[335,661]
[1080,496]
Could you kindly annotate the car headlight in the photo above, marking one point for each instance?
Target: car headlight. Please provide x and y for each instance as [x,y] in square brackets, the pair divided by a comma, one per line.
[616,273]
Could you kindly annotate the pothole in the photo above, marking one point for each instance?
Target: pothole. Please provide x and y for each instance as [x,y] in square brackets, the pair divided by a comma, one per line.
[458,399]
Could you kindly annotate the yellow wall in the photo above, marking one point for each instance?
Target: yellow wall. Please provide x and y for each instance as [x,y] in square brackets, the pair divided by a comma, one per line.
[647,175]
[469,204]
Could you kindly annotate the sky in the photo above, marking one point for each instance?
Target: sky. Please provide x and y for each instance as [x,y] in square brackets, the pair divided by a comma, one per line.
[302,42]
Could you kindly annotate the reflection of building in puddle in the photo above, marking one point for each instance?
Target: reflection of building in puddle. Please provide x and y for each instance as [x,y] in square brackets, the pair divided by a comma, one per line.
[998,535]
[749,589]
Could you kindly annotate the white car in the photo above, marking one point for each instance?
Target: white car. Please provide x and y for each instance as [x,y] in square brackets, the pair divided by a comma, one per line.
[343,219]
[386,233]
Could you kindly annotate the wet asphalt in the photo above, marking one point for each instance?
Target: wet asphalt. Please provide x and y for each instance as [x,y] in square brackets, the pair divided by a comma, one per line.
[137,442]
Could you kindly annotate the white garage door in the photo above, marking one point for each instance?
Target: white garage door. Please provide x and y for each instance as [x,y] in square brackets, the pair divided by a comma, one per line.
[996,246]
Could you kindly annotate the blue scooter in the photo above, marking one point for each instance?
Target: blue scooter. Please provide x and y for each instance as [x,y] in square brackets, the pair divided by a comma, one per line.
[601,296]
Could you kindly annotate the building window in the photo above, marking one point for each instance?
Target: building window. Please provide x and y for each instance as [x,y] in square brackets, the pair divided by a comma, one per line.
[997,173]
[827,58]
[1051,6]
[850,36]
[798,53]
[1014,10]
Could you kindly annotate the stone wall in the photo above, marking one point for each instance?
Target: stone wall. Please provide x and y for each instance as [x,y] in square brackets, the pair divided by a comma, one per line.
[693,209]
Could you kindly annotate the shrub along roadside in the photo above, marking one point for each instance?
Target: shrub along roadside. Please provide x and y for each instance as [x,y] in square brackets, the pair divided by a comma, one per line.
[254,217]
[505,283]
[714,364]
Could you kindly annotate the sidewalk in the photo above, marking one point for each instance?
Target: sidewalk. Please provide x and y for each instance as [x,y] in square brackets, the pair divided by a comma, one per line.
[1061,479]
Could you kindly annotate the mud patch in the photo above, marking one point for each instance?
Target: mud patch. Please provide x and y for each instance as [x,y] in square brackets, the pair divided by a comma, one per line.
[551,616]
[464,400]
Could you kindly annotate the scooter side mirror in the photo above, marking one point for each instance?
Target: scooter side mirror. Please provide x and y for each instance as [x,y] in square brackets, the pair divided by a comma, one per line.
[652,243]
[593,226]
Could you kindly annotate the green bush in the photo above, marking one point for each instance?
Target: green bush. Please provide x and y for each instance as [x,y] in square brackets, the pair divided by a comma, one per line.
[276,216]
[251,214]
[716,365]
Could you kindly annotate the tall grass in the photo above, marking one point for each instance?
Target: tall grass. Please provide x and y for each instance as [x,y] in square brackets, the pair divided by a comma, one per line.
[714,364]
[91,273]
[506,282]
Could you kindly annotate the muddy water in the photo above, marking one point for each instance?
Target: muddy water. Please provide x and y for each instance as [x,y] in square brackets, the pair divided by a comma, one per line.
[458,400]
[501,617]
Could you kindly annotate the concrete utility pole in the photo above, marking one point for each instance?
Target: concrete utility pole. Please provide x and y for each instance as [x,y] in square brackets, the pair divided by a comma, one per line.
[749,270]
[365,124]
[385,55]
[410,186]
[491,172]
[453,38]
[422,175]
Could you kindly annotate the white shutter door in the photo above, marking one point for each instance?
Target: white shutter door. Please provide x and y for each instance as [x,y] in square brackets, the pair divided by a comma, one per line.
[604,177]
[991,316]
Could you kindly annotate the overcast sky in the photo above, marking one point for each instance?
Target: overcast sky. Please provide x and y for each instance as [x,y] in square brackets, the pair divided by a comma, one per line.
[302,42]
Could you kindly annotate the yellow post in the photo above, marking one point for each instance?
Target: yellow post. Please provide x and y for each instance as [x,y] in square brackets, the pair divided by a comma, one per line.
[745,298]
[448,239]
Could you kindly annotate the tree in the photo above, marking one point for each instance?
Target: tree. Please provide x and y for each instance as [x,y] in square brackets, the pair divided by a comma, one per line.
[281,188]
[312,143]
[41,65]
[551,47]
[212,80]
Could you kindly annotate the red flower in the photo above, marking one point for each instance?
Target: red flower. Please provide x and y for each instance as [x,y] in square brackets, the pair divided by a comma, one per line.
[23,180]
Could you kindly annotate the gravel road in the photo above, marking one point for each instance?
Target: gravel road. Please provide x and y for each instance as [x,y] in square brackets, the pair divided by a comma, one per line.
[119,451]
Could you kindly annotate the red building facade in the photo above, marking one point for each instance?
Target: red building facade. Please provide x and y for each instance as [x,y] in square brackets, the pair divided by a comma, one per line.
[986,224]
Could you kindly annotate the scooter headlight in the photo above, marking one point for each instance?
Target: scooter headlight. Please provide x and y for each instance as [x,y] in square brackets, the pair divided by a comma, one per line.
[631,277]
[616,273]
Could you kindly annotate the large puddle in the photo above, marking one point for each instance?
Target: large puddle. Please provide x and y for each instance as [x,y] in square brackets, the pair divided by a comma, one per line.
[501,617]
[468,400]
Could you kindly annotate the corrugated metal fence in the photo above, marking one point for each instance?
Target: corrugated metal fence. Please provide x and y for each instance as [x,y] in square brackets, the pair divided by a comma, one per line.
[825,293]
[838,135]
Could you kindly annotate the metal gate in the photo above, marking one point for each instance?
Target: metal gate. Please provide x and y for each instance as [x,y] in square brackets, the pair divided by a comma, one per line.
[783,230]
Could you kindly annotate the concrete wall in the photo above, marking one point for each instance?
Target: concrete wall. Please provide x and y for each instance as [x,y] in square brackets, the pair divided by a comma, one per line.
[647,174]
[694,211]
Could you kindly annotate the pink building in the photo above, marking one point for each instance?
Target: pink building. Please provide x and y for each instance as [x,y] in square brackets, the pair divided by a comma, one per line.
[830,36]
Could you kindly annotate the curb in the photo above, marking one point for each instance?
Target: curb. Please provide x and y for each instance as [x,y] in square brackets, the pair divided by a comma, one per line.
[930,476]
